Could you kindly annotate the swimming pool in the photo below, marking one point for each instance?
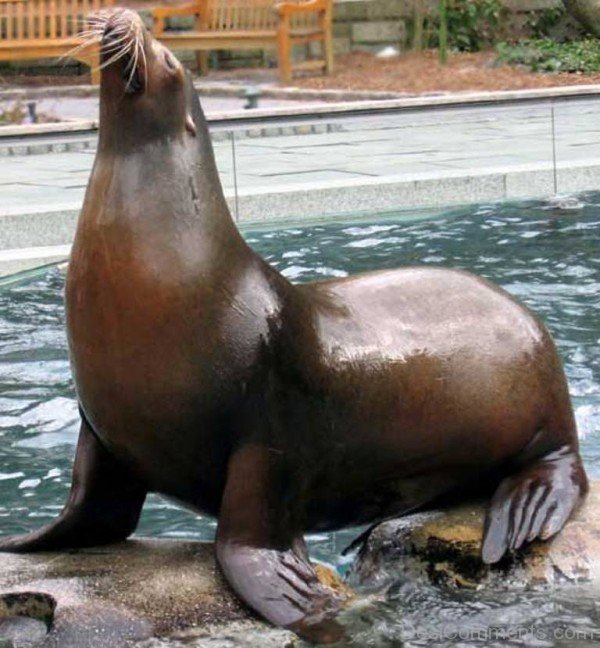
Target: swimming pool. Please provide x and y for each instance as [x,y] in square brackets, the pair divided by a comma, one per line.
[550,259]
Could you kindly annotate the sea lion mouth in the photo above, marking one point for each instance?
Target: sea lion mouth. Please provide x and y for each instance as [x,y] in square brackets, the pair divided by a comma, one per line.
[122,46]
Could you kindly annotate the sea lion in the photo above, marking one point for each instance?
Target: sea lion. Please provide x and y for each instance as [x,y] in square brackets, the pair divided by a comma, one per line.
[204,375]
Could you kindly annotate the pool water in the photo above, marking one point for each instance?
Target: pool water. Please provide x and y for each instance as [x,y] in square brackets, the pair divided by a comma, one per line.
[548,258]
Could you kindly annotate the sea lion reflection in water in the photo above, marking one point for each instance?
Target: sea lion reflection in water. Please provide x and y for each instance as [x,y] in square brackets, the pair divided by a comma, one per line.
[204,375]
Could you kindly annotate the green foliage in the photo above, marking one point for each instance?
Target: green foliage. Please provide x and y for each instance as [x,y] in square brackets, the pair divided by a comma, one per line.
[475,24]
[540,23]
[547,55]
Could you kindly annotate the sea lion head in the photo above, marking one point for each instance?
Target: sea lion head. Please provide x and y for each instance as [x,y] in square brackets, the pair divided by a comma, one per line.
[145,91]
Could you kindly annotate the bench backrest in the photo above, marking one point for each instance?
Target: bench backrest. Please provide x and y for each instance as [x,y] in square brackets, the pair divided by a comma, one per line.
[34,20]
[248,15]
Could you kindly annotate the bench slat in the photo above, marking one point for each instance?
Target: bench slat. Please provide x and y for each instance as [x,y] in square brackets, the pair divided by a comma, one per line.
[52,15]
[19,19]
[16,45]
[266,34]
[31,31]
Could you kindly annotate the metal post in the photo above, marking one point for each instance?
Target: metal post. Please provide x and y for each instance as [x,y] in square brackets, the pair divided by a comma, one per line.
[554,169]
[235,183]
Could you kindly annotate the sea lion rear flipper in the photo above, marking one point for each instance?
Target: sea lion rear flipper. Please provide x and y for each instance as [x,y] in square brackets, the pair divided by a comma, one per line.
[534,503]
[264,563]
[104,504]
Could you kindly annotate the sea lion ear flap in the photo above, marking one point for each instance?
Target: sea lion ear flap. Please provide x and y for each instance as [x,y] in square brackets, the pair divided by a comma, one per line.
[190,125]
[195,116]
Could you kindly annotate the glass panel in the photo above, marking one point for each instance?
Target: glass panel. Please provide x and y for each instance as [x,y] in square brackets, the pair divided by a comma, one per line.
[331,165]
[577,126]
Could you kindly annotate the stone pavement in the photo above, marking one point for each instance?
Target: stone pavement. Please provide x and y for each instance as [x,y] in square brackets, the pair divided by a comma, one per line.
[345,166]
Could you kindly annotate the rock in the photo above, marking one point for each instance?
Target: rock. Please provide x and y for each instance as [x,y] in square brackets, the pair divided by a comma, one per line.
[586,12]
[33,605]
[22,632]
[232,635]
[564,203]
[150,592]
[444,548]
[388,52]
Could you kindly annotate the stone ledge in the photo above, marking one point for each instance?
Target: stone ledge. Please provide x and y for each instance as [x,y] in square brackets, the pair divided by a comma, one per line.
[444,548]
[155,592]
[305,203]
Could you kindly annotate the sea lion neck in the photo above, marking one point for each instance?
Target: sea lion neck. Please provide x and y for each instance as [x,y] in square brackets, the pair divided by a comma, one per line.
[163,186]
[129,124]
[161,172]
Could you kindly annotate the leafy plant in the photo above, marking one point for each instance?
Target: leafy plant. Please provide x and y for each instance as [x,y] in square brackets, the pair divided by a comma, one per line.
[472,25]
[547,55]
[540,23]
[475,24]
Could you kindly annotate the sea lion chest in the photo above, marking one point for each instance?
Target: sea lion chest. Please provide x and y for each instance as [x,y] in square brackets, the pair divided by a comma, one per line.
[163,341]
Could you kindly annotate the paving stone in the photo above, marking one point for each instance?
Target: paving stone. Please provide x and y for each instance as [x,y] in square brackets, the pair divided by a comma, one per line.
[376,162]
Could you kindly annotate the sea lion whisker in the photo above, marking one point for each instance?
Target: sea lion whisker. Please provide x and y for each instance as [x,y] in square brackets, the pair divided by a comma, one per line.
[115,55]
[119,30]
[96,31]
[91,21]
[119,25]
[120,42]
[114,47]
[132,53]
[88,42]
[113,59]
[114,50]
[90,37]
[144,60]
[133,64]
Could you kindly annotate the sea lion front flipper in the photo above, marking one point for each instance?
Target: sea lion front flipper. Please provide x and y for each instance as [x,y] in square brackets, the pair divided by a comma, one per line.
[104,504]
[534,503]
[267,567]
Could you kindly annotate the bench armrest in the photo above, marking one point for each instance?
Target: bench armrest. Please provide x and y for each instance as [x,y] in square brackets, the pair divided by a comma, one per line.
[310,6]
[160,14]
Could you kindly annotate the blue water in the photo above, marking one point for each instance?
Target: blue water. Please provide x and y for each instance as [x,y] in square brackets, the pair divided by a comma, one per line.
[549,259]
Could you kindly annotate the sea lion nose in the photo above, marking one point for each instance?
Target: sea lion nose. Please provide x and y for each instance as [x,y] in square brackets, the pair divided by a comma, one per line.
[109,36]
[110,44]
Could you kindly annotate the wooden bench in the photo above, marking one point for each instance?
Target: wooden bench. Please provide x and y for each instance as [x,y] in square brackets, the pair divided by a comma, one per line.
[39,29]
[252,24]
